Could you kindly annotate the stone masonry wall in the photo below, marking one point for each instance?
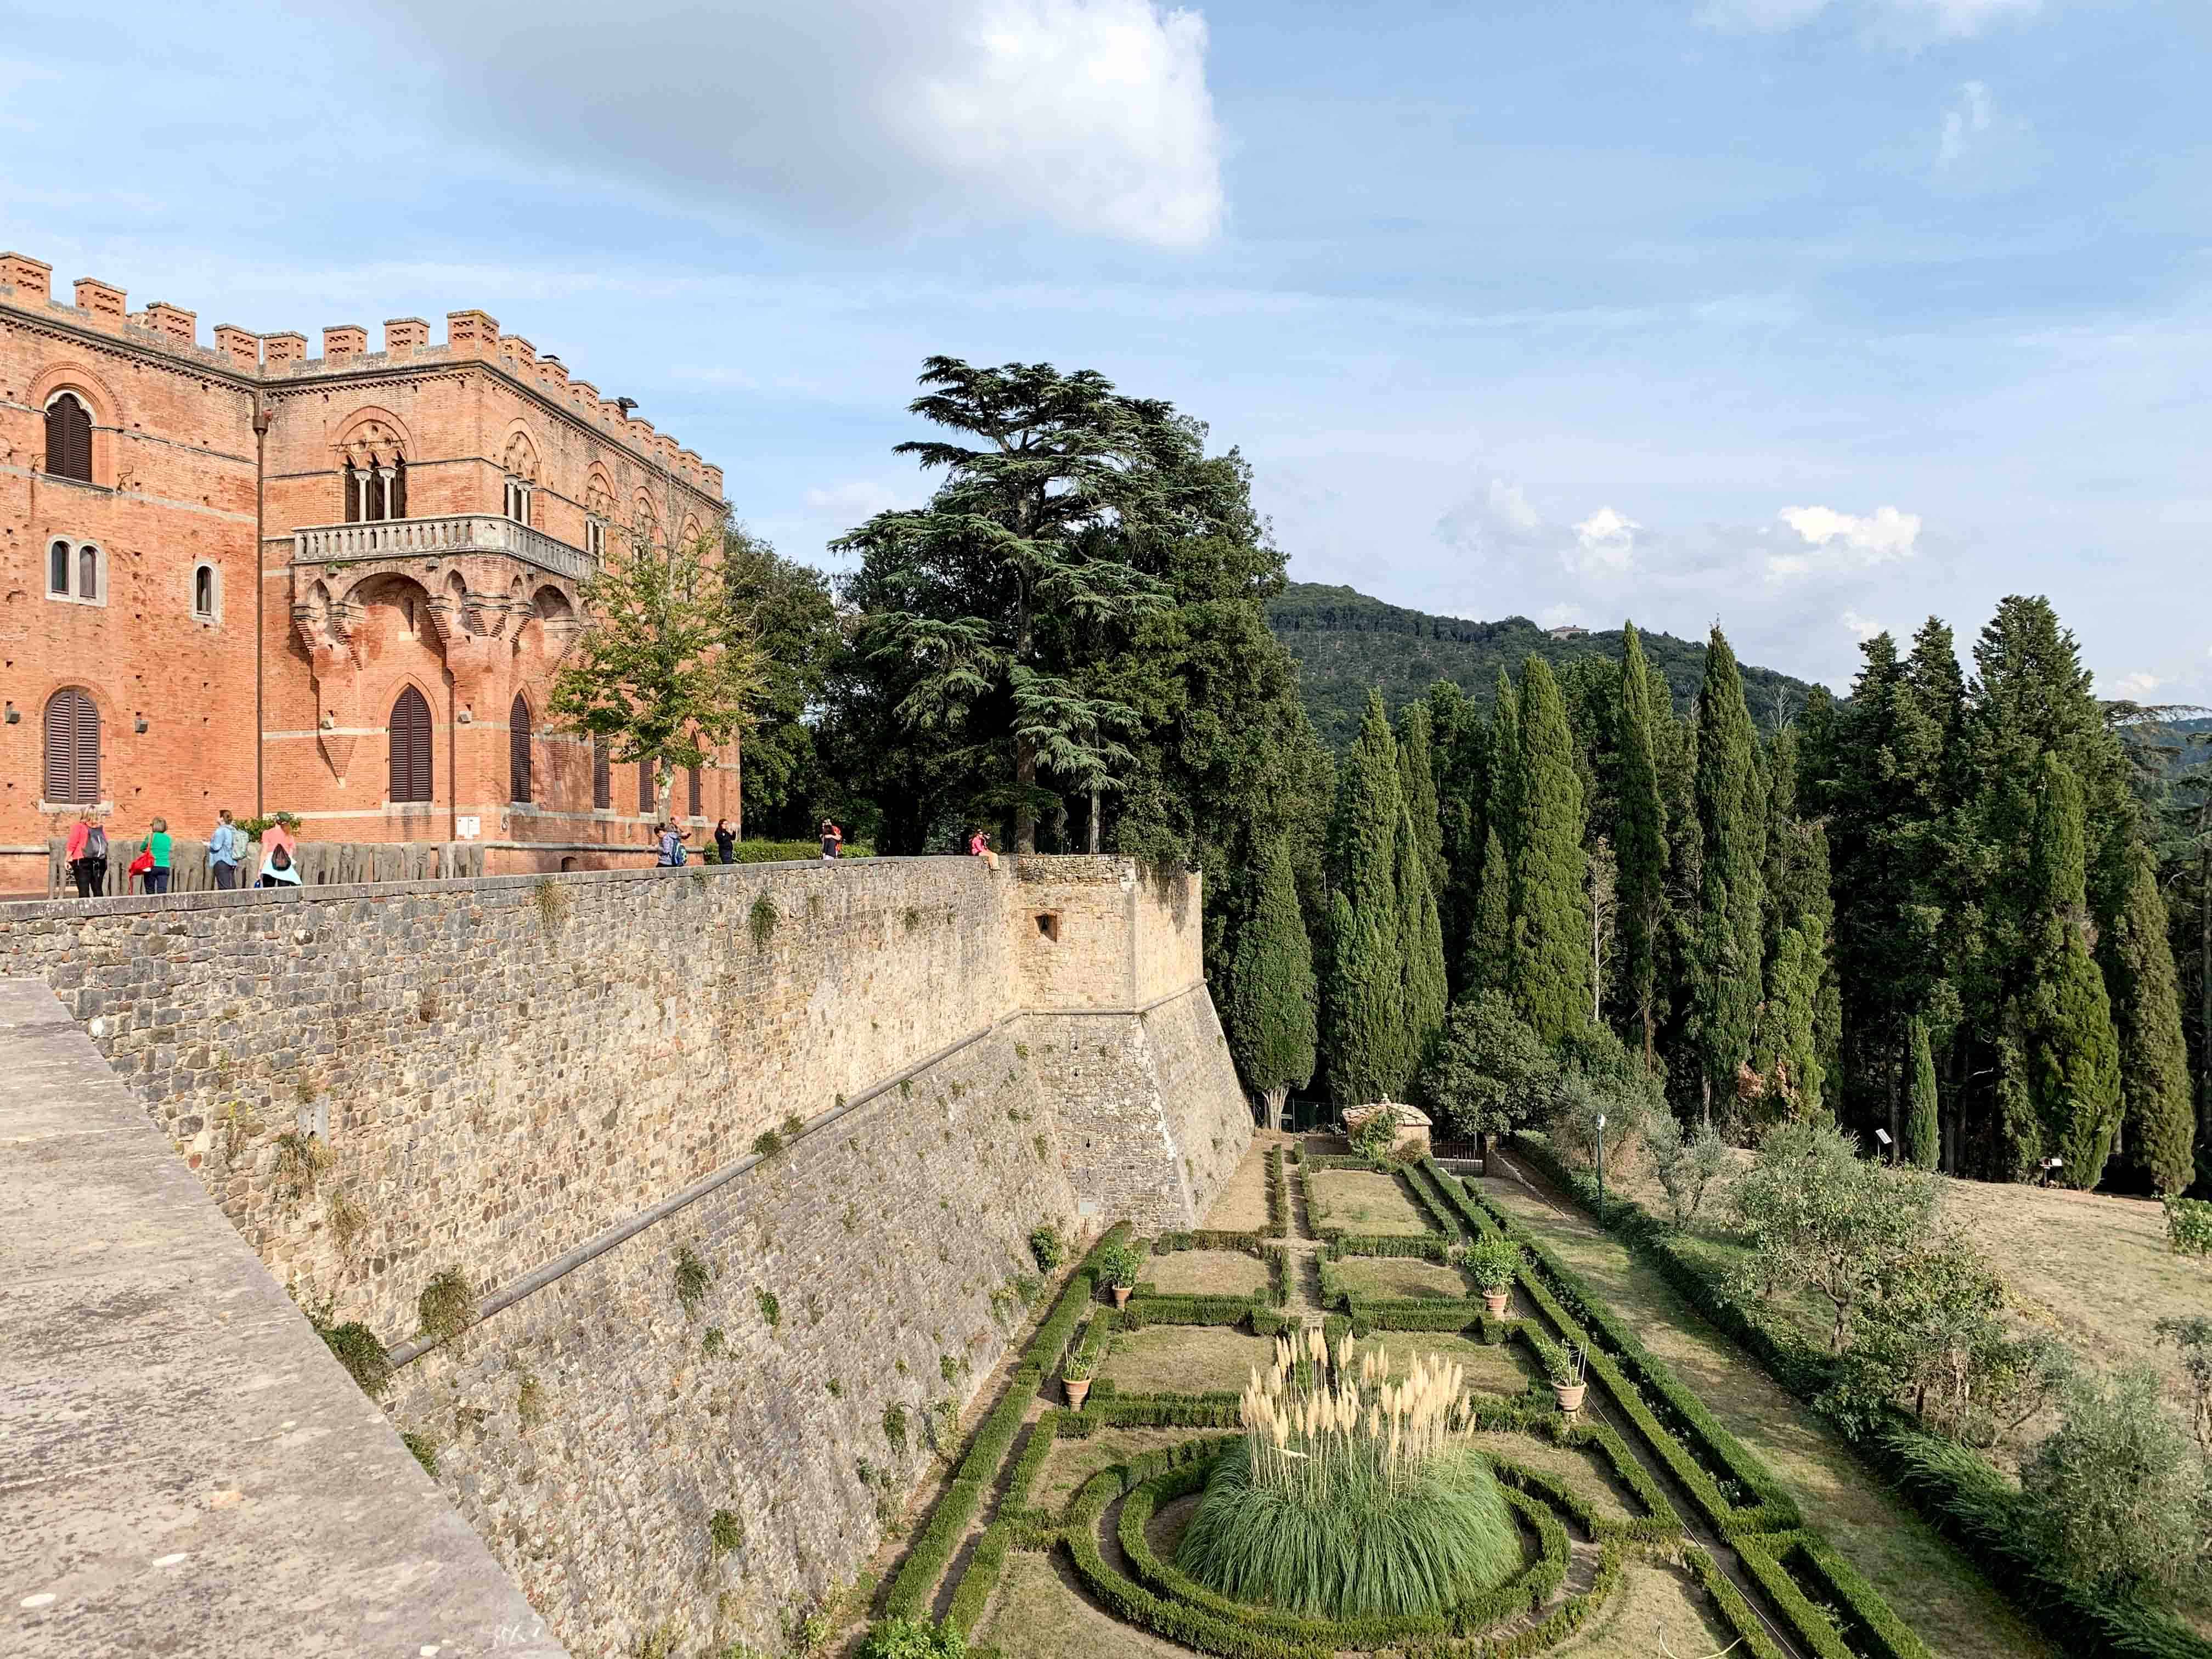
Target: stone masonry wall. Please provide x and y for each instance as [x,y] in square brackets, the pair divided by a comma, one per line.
[592,1431]
[556,1085]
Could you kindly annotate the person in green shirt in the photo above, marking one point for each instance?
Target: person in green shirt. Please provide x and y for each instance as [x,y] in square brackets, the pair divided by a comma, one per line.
[157,878]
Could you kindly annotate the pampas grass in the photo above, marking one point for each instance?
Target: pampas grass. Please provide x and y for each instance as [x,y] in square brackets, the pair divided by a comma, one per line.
[1351,1495]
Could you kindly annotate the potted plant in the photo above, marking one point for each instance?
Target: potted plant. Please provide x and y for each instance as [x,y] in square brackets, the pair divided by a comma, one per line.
[1492,1263]
[1565,1367]
[1118,1266]
[1075,1377]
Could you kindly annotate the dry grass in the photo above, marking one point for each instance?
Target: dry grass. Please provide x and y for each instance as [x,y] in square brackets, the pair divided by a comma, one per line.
[1361,1201]
[1659,1611]
[1240,1206]
[1206,1273]
[1186,1359]
[1584,1473]
[1400,1276]
[1503,1368]
[1071,1463]
[1040,1612]
[1932,1588]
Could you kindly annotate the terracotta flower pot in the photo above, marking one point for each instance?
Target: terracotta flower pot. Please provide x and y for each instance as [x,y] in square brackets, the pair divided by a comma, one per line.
[1494,1303]
[1077,1387]
[1121,1296]
[1569,1395]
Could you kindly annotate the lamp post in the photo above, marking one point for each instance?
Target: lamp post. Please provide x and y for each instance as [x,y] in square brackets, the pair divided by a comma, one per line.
[1601,1168]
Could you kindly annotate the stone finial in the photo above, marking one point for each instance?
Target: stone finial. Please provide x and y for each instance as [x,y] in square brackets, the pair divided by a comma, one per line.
[32,279]
[406,333]
[241,346]
[286,348]
[101,301]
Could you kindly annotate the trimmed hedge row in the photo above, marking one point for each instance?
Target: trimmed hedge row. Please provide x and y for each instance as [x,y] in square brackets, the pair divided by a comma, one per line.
[1143,1310]
[1031,1463]
[910,1592]
[1527,1588]
[1778,1561]
[1442,1217]
[1204,1238]
[1278,1201]
[1428,1247]
[973,1593]
[1279,1277]
[1954,1489]
[1750,1629]
[1150,1412]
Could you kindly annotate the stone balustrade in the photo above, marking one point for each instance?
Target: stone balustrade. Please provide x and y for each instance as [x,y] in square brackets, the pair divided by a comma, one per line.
[453,532]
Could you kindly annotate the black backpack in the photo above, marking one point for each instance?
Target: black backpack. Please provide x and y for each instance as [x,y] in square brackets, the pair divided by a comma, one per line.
[95,844]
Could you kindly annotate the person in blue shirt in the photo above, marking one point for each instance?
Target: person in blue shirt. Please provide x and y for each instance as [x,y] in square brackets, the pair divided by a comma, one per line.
[225,846]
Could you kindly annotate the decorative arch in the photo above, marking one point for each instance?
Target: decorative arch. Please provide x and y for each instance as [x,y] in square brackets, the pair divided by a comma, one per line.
[95,464]
[551,604]
[520,457]
[519,778]
[411,748]
[372,462]
[691,531]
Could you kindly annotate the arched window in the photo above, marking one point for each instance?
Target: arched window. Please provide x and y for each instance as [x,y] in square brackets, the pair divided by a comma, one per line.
[72,747]
[647,797]
[206,592]
[58,570]
[518,750]
[88,573]
[410,747]
[68,438]
[375,491]
[603,776]
[518,501]
[697,809]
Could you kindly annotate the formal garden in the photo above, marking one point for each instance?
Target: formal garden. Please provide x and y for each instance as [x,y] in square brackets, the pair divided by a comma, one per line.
[1393,1411]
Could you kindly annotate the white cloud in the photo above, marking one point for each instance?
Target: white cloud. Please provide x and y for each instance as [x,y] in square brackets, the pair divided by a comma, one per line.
[1093,115]
[1508,504]
[1604,545]
[1969,116]
[2133,687]
[1900,21]
[1835,541]
[1864,627]
[850,502]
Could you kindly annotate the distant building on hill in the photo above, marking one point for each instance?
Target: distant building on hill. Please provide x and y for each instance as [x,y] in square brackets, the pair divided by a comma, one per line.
[1567,631]
[417,522]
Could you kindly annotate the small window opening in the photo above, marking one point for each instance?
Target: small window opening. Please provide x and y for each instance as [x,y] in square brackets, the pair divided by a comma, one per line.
[1047,925]
[204,592]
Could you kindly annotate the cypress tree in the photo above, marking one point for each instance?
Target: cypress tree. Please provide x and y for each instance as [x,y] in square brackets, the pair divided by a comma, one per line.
[1923,1135]
[1641,847]
[1791,1060]
[1425,996]
[1367,1050]
[1489,933]
[2073,1059]
[1460,746]
[1551,950]
[1502,801]
[2137,959]
[1272,988]
[1417,782]
[1732,815]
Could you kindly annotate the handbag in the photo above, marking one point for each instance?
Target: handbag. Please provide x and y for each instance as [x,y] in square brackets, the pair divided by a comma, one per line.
[143,863]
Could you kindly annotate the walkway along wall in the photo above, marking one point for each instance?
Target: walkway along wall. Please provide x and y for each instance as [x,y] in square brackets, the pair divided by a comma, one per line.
[558,1087]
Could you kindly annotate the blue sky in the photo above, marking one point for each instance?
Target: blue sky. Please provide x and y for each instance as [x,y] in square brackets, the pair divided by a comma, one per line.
[1810,316]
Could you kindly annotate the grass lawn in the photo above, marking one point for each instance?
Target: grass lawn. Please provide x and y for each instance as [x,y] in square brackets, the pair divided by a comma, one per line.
[1362,1202]
[1040,1612]
[1240,1206]
[1206,1273]
[1587,1474]
[1503,1368]
[1930,1586]
[1186,1359]
[1074,1462]
[1659,1611]
[1401,1276]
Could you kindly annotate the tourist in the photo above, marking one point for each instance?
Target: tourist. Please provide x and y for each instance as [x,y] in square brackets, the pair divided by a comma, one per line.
[978,846]
[87,855]
[833,841]
[160,848]
[277,867]
[277,836]
[224,847]
[726,843]
[672,845]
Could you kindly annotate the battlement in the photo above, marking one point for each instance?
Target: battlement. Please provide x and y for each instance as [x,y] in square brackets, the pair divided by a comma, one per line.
[26,286]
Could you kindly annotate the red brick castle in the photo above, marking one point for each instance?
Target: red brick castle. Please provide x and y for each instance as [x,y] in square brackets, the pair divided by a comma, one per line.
[335,586]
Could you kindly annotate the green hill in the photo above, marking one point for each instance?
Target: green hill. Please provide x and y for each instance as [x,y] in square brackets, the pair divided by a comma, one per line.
[1345,642]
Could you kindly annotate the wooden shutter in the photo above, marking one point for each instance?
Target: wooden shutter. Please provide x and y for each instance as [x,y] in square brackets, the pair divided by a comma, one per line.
[410,747]
[647,797]
[518,752]
[695,809]
[602,775]
[72,747]
[68,438]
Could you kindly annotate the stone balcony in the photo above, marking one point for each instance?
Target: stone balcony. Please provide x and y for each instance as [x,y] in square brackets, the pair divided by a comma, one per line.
[454,534]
